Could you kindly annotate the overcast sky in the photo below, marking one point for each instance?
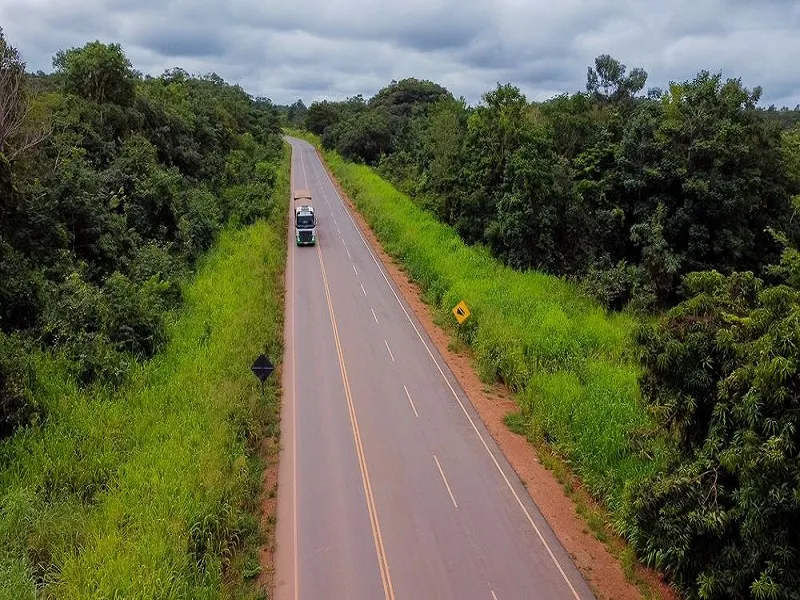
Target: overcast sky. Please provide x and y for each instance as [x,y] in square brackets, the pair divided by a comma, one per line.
[315,49]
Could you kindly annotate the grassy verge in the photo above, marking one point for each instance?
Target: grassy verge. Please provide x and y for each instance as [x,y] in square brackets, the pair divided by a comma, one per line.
[567,359]
[153,491]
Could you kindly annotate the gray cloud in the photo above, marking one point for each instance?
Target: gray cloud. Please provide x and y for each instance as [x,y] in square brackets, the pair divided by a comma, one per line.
[180,43]
[314,49]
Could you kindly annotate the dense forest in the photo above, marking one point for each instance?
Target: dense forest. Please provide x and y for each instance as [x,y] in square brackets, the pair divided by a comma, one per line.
[112,185]
[627,192]
[677,205]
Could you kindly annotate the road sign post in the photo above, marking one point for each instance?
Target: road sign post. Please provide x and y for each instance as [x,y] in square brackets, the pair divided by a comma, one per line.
[461,312]
[262,369]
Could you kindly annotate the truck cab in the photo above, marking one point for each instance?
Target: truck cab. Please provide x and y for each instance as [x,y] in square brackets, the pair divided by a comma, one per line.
[305,225]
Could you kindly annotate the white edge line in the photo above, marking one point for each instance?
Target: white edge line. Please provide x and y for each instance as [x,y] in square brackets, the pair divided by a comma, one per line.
[290,259]
[447,381]
[447,485]
[414,408]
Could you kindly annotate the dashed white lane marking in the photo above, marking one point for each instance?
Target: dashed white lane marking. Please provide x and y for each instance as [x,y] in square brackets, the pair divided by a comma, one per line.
[363,290]
[494,596]
[374,316]
[348,254]
[389,349]
[447,485]
[414,408]
[354,269]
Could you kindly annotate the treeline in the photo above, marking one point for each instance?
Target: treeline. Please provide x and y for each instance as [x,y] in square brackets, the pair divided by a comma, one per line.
[624,191]
[681,200]
[112,185]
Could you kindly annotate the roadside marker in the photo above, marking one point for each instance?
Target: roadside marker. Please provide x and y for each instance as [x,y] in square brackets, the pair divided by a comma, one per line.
[262,369]
[461,311]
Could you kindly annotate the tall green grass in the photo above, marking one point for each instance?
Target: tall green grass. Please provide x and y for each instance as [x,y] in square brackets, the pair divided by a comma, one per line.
[153,491]
[565,357]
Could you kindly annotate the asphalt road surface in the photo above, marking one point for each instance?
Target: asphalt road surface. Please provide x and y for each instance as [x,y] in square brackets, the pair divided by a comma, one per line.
[390,486]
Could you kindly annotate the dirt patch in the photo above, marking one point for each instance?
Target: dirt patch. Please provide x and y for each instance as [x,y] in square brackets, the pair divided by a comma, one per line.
[575,518]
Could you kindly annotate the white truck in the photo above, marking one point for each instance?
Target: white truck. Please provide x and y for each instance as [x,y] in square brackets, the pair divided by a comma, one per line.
[305,223]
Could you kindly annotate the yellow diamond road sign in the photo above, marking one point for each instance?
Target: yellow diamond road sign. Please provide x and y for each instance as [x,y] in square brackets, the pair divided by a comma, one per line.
[461,312]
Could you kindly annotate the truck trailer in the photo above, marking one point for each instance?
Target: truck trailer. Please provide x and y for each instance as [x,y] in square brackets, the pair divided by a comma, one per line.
[302,196]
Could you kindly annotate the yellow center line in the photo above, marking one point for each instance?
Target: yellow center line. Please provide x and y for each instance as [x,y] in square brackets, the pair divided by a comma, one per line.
[383,563]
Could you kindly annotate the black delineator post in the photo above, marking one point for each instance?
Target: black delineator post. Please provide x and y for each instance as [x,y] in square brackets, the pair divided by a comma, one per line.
[262,369]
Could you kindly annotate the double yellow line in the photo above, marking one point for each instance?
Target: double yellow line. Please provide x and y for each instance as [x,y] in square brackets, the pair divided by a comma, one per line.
[362,462]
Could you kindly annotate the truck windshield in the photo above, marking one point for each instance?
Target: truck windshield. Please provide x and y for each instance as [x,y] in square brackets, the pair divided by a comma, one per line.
[305,221]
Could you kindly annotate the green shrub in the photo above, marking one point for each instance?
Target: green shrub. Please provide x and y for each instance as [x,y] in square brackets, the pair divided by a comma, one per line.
[199,223]
[619,286]
[17,386]
[74,306]
[135,321]
[723,519]
[248,202]
[154,260]
[20,290]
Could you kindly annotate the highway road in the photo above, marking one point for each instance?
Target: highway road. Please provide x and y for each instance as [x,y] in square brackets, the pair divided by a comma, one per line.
[389,484]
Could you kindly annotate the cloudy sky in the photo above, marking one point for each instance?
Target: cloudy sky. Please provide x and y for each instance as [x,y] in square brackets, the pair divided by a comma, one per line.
[315,49]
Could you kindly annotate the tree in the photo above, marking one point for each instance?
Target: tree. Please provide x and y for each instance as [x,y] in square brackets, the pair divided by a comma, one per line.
[790,146]
[320,116]
[607,80]
[540,221]
[402,98]
[296,113]
[366,138]
[790,141]
[718,167]
[97,72]
[17,133]
[495,130]
[574,124]
[442,147]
